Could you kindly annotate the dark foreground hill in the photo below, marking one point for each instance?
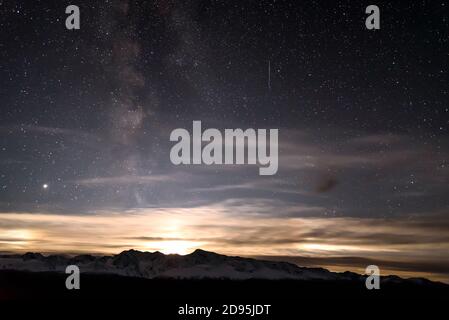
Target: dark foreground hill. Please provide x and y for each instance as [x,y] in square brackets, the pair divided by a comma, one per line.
[51,285]
[198,277]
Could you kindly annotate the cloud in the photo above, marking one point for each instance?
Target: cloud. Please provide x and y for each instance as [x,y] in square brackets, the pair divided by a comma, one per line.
[126,180]
[80,135]
[316,177]
[395,241]
[327,184]
[258,184]
[435,269]
[301,150]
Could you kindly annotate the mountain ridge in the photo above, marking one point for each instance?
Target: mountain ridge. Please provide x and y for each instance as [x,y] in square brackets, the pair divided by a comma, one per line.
[200,264]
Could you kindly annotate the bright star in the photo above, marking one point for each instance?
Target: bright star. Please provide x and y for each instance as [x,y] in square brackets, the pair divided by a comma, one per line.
[45,186]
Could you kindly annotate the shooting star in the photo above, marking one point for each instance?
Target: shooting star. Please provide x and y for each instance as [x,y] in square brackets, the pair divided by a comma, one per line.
[269,75]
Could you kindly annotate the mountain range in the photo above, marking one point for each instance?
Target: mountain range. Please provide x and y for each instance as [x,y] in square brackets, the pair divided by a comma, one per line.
[198,265]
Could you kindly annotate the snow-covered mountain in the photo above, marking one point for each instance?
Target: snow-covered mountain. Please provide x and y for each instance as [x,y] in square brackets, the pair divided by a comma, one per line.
[197,265]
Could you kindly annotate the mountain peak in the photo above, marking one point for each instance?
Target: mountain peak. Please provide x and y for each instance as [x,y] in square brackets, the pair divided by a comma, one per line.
[203,252]
[130,251]
[197,252]
[32,256]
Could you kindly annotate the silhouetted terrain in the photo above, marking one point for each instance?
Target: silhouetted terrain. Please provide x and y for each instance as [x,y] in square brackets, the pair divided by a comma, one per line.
[160,285]
[43,285]
[200,276]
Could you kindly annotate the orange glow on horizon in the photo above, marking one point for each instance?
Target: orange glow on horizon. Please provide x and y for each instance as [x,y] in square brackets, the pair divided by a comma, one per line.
[182,230]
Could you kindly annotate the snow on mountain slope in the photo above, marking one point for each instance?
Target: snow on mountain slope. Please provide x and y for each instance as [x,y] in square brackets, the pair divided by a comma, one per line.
[197,265]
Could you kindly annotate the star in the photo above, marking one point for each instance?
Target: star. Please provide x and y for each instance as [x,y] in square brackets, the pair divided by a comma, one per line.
[45,186]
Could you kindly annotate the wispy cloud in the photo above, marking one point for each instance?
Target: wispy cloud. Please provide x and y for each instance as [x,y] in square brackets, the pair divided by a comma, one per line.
[127,180]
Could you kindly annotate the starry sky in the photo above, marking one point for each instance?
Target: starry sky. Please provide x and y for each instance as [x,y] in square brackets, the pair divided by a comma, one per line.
[363,116]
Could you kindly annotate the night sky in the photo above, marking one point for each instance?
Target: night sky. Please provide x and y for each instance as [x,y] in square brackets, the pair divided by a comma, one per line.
[363,116]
